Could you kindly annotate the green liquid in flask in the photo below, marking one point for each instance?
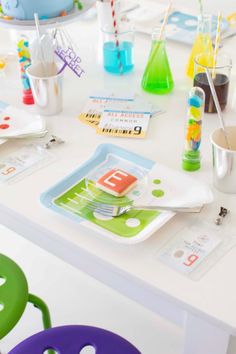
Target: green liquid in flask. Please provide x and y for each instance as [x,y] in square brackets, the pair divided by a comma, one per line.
[157,77]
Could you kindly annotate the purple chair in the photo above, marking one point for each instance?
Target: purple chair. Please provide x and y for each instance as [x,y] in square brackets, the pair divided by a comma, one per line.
[72,339]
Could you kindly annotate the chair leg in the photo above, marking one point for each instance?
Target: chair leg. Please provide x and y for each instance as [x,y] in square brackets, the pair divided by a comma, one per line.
[40,304]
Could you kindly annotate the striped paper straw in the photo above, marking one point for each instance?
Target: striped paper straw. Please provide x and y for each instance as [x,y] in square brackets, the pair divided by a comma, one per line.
[115,27]
[217,44]
[162,30]
[167,14]
[200,7]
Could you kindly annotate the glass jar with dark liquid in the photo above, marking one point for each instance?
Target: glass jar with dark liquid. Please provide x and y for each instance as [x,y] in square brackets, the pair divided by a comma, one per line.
[220,73]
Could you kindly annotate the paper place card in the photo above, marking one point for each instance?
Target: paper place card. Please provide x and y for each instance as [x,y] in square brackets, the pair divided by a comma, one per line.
[121,123]
[94,107]
[21,160]
[189,248]
[70,59]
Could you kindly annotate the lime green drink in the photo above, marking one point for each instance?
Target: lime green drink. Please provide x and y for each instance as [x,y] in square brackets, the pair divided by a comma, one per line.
[157,77]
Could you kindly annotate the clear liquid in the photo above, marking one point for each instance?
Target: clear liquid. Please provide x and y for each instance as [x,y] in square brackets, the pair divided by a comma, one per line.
[118,60]
[202,44]
[157,77]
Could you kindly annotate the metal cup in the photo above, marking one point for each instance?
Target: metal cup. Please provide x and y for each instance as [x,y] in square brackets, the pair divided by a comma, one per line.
[224,160]
[46,87]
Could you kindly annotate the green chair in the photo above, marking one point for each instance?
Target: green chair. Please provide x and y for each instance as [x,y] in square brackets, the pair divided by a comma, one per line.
[14,296]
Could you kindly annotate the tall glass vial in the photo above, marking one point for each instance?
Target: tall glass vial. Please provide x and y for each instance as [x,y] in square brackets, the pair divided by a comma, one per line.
[202,43]
[193,130]
[157,77]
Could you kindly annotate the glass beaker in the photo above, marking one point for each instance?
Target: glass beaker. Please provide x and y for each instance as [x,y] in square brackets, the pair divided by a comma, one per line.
[220,73]
[157,77]
[105,19]
[202,42]
[118,50]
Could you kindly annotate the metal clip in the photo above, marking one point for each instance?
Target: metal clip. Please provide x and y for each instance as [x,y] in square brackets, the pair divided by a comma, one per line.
[53,141]
[222,214]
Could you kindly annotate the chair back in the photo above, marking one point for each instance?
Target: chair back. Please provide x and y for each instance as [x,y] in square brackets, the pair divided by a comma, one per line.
[72,339]
[13,294]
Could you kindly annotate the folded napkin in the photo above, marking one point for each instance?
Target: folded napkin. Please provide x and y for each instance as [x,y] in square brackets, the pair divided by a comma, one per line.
[167,187]
[15,123]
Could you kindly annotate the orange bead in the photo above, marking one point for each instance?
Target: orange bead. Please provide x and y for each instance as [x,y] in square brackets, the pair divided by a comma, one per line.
[7,17]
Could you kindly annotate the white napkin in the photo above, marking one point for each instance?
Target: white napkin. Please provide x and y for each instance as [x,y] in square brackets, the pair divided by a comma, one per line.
[175,189]
[17,122]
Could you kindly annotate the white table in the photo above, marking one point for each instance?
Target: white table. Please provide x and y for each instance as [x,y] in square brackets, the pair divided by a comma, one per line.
[205,308]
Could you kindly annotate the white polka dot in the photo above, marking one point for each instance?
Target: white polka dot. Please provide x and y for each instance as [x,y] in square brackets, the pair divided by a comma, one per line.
[102,217]
[174,18]
[191,23]
[133,222]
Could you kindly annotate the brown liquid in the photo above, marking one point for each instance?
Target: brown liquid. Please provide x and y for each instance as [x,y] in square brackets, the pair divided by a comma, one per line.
[221,83]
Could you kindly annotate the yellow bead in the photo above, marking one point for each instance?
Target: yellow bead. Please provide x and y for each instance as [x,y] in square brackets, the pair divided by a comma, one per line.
[195,112]
[2,64]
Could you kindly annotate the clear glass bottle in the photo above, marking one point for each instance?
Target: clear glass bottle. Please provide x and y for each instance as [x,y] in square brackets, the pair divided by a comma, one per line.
[202,43]
[157,77]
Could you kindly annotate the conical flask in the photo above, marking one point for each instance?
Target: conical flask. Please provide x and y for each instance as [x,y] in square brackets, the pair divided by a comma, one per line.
[157,77]
[202,43]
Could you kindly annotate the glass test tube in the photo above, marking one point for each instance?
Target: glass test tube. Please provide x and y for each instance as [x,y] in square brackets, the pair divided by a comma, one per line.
[25,62]
[191,160]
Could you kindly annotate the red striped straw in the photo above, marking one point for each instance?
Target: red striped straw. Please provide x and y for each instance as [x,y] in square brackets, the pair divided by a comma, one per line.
[115,27]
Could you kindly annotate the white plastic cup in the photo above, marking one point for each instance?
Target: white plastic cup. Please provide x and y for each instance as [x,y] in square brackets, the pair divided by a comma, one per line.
[46,87]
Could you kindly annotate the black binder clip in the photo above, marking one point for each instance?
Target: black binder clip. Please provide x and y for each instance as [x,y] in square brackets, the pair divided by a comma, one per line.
[222,214]
[54,140]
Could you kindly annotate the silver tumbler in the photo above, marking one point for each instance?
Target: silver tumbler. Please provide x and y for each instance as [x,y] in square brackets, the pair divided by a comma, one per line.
[46,87]
[224,160]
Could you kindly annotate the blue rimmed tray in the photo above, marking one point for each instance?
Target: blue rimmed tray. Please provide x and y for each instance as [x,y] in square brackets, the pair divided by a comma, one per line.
[67,196]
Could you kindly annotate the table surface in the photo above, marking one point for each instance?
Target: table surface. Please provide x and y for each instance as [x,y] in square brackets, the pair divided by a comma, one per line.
[214,294]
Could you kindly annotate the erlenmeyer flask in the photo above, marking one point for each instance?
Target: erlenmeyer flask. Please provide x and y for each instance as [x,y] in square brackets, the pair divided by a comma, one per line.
[157,77]
[202,43]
